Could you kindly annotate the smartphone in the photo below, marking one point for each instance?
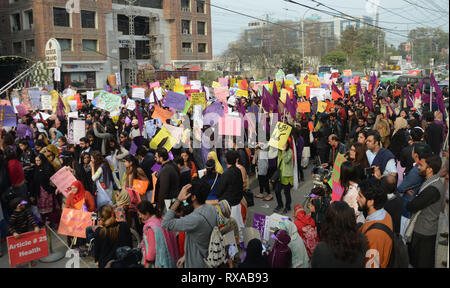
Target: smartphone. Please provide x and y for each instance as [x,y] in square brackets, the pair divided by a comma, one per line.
[369,171]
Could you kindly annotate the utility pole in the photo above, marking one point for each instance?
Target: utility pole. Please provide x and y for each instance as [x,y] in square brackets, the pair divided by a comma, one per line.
[131,13]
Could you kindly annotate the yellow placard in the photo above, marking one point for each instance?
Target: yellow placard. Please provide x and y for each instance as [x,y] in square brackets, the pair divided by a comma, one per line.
[284,95]
[242,93]
[322,106]
[280,135]
[289,83]
[162,134]
[216,84]
[178,88]
[198,99]
[301,89]
[352,90]
[232,82]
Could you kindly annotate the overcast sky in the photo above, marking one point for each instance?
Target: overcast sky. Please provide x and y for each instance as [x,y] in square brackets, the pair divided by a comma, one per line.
[398,15]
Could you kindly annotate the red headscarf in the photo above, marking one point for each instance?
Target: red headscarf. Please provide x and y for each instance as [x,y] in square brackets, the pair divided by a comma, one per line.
[79,196]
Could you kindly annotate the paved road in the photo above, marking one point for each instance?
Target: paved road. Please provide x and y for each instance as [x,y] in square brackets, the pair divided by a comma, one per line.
[260,207]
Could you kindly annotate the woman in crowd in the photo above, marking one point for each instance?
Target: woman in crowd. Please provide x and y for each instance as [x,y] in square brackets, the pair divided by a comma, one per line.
[133,171]
[15,173]
[349,179]
[357,154]
[285,164]
[382,125]
[115,155]
[212,177]
[342,244]
[110,236]
[52,154]
[254,257]
[125,141]
[306,228]
[43,191]
[61,143]
[213,155]
[101,173]
[362,137]
[281,254]
[400,137]
[158,246]
[55,134]
[79,198]
[27,159]
[300,257]
[189,163]
[262,164]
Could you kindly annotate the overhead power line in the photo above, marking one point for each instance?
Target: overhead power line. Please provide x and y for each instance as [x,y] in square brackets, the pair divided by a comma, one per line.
[420,6]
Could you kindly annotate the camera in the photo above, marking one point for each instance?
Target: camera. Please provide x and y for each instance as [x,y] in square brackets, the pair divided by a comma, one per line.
[369,171]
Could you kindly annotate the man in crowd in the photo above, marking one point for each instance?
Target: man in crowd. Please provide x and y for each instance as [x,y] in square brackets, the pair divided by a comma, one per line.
[406,159]
[434,135]
[428,201]
[380,158]
[371,200]
[361,126]
[167,183]
[336,127]
[336,147]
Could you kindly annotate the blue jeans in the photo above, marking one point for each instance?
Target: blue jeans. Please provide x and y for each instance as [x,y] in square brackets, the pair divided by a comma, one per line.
[405,199]
[89,233]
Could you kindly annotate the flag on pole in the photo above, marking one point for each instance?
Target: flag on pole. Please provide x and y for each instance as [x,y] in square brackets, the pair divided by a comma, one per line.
[437,89]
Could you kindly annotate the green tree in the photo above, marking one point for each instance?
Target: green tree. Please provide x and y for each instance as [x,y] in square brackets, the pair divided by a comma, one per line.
[291,63]
[428,43]
[349,43]
[336,58]
[367,55]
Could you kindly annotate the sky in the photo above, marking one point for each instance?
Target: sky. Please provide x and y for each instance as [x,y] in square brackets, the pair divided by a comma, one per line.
[398,15]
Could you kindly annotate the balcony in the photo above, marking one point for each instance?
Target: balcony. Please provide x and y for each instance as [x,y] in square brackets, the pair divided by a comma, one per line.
[186,9]
[187,50]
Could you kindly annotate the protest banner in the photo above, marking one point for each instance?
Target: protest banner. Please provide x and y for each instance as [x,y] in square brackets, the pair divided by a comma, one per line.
[74,222]
[35,98]
[321,106]
[242,93]
[347,73]
[90,95]
[138,93]
[317,92]
[46,102]
[162,114]
[28,247]
[107,101]
[77,130]
[336,187]
[280,135]
[175,100]
[140,186]
[112,80]
[131,104]
[155,85]
[216,84]
[63,179]
[230,126]
[198,99]
[304,107]
[7,116]
[162,135]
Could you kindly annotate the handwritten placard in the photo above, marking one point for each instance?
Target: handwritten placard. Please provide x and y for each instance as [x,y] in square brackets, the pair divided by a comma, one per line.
[74,222]
[30,246]
[63,179]
[280,135]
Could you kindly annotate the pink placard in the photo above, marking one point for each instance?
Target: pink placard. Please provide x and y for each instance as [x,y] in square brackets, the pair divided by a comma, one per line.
[230,126]
[223,82]
[155,85]
[221,94]
[63,179]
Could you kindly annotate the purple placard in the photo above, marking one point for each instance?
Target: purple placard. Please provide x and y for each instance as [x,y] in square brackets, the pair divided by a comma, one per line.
[8,116]
[259,223]
[133,148]
[24,130]
[346,79]
[156,167]
[175,100]
[170,156]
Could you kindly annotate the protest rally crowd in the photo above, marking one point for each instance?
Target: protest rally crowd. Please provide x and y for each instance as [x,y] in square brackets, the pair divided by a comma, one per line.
[165,169]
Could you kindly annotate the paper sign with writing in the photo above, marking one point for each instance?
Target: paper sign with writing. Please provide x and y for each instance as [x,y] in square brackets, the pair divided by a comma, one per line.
[304,107]
[107,101]
[157,92]
[259,223]
[150,127]
[35,98]
[90,95]
[175,100]
[155,85]
[280,135]
[74,223]
[352,90]
[46,102]
[230,126]
[284,95]
[183,80]
[196,84]
[198,99]
[30,246]
[347,72]
[162,135]
[317,92]
[138,93]
[162,114]
[216,84]
[7,116]
[242,93]
[321,106]
[63,179]
[112,80]
[223,82]
[336,187]
[131,104]
[79,131]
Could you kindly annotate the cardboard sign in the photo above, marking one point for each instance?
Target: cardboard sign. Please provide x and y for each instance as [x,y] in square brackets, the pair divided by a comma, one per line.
[77,130]
[198,99]
[230,126]
[7,116]
[163,134]
[304,107]
[335,178]
[63,179]
[242,93]
[111,80]
[30,246]
[46,102]
[175,100]
[280,135]
[321,106]
[140,186]
[138,93]
[162,114]
[74,222]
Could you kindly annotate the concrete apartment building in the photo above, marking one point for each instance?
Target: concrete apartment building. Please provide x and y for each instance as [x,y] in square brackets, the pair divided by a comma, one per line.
[94,41]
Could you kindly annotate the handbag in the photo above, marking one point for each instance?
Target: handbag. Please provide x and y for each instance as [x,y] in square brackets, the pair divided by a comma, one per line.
[276,176]
[410,228]
[102,197]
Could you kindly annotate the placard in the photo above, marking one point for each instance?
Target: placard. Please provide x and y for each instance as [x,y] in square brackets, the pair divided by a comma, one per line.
[163,134]
[336,187]
[46,102]
[175,100]
[304,107]
[30,246]
[7,116]
[63,179]
[74,222]
[77,130]
[280,135]
[198,99]
[162,114]
[242,93]
[90,95]
[138,93]
[131,104]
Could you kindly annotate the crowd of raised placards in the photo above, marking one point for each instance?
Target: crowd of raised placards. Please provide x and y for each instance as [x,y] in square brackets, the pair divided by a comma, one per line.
[159,175]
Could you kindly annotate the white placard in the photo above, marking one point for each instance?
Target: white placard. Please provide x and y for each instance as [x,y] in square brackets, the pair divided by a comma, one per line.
[90,95]
[73,105]
[317,92]
[77,130]
[73,115]
[57,72]
[45,116]
[46,102]
[196,85]
[131,105]
[138,93]
[183,80]
[118,80]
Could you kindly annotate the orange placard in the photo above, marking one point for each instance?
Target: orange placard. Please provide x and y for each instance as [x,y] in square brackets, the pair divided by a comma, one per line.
[111,80]
[154,179]
[329,106]
[311,126]
[140,186]
[304,107]
[74,222]
[162,114]
[308,91]
[336,95]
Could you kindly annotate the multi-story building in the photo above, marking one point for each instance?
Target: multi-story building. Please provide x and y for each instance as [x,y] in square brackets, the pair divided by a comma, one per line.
[28,24]
[94,40]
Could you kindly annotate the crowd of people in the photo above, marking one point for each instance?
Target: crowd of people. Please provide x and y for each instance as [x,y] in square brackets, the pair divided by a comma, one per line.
[394,179]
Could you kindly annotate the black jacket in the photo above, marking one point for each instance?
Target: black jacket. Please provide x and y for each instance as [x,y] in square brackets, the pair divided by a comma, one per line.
[434,137]
[167,184]
[105,248]
[338,130]
[341,148]
[231,186]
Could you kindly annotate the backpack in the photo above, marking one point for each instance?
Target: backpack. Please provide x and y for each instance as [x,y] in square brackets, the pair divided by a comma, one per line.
[399,255]
[217,254]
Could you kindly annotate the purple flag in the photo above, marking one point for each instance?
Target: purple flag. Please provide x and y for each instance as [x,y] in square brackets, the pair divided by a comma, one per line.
[283,85]
[289,107]
[368,100]
[358,91]
[148,84]
[388,108]
[335,89]
[373,83]
[408,97]
[275,93]
[437,89]
[140,119]
[60,108]
[421,84]
[265,99]
[294,104]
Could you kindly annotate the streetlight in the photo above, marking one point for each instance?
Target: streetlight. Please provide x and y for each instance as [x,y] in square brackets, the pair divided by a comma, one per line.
[303,39]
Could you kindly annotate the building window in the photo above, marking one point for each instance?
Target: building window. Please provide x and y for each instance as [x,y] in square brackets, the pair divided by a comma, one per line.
[90,45]
[185,27]
[158,4]
[29,46]
[186,5]
[201,7]
[187,47]
[202,48]
[142,49]
[15,22]
[61,17]
[17,47]
[201,28]
[80,80]
[123,24]
[87,19]
[28,20]
[66,44]
[141,26]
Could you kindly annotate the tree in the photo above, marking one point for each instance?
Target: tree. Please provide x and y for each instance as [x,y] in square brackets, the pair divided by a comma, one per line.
[428,43]
[349,43]
[292,63]
[336,58]
[367,55]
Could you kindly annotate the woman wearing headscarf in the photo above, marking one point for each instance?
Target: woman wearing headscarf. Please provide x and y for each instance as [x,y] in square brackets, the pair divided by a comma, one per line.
[52,154]
[79,198]
[255,258]
[300,258]
[55,134]
[306,228]
[281,254]
[123,201]
[383,127]
[43,191]
[224,220]
[213,155]
[400,137]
